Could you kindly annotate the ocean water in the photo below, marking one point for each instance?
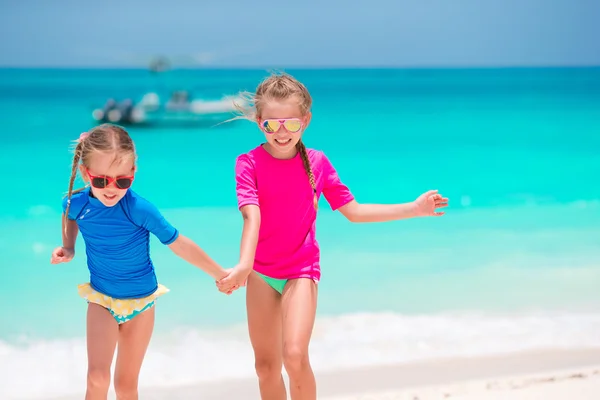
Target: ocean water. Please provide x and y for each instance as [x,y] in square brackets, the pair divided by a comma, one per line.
[514,265]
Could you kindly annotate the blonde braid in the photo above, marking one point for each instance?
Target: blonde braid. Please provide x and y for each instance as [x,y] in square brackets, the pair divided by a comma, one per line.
[311,177]
[76,157]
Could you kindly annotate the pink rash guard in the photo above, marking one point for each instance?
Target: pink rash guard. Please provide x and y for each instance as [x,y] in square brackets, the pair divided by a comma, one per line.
[287,245]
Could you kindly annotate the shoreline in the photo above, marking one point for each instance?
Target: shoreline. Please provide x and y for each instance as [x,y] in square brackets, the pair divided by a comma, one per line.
[443,378]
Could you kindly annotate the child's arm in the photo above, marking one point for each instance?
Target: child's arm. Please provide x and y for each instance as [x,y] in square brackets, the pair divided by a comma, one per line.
[192,253]
[248,203]
[148,216]
[239,274]
[66,252]
[340,198]
[251,217]
[70,230]
[424,205]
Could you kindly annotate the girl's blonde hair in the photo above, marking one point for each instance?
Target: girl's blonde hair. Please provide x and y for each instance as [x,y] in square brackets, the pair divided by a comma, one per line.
[278,87]
[104,138]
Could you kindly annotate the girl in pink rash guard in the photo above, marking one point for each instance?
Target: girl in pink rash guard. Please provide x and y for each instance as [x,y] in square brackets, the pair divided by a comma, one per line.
[278,186]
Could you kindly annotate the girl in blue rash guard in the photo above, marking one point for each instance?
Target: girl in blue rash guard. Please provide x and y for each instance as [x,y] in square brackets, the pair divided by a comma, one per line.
[116,223]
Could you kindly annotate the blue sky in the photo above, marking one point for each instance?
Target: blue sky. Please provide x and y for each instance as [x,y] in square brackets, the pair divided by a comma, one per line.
[311,33]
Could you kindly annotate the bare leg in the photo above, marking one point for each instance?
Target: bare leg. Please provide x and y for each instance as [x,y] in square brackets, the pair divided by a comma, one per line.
[134,337]
[299,304]
[102,334]
[263,305]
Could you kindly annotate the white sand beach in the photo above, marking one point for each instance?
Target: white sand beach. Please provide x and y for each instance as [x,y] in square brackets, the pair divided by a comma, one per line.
[543,375]
[575,384]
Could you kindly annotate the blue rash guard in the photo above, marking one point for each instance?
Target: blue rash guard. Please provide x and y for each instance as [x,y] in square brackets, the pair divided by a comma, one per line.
[117,241]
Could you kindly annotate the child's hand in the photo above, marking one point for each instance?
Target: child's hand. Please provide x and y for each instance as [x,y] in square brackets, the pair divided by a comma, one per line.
[427,203]
[228,271]
[236,278]
[61,255]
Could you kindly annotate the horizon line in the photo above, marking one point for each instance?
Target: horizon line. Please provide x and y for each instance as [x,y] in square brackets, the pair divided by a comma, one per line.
[300,67]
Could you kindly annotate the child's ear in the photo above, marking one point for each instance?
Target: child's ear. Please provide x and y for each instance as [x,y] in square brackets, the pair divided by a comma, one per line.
[307,119]
[83,172]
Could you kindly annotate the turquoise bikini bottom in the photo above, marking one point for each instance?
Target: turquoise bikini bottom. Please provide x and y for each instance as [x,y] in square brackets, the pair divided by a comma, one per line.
[277,284]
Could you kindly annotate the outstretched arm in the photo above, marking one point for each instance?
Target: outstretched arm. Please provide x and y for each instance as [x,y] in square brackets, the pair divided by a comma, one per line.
[192,253]
[147,215]
[340,198]
[425,205]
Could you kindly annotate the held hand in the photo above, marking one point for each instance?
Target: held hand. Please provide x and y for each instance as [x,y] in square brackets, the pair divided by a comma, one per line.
[228,271]
[427,204]
[237,277]
[62,255]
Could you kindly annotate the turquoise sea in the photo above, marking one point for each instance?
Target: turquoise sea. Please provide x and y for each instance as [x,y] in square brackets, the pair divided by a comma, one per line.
[514,265]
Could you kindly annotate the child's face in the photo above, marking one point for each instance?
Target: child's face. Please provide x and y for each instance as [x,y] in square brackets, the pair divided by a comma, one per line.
[283,139]
[110,176]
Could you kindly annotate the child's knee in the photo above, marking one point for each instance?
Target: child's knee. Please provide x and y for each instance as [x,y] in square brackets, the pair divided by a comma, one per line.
[126,387]
[98,379]
[267,368]
[295,358]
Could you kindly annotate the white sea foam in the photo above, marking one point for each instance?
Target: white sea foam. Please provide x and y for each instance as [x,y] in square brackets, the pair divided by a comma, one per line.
[52,368]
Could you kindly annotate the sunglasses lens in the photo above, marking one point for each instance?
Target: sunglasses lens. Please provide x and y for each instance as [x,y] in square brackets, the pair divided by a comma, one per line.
[271,126]
[99,182]
[292,125]
[123,183]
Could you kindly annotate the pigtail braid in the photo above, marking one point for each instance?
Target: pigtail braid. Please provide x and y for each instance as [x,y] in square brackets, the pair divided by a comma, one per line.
[311,177]
[76,158]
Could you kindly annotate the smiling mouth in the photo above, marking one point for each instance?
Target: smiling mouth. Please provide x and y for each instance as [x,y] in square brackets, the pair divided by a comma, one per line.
[110,196]
[283,142]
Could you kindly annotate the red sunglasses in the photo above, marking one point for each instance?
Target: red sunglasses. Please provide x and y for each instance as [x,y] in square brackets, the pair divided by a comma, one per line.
[101,181]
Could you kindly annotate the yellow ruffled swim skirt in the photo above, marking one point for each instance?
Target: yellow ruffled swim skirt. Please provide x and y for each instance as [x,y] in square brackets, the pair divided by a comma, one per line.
[122,310]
